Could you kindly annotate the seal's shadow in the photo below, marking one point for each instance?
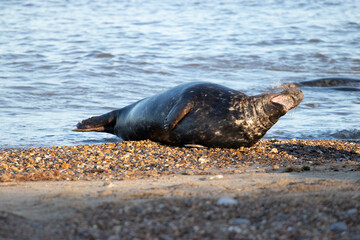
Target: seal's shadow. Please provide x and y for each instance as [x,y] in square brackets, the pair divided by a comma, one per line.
[317,152]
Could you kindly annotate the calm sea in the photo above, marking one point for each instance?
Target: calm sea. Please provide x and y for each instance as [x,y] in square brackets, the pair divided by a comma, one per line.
[63,61]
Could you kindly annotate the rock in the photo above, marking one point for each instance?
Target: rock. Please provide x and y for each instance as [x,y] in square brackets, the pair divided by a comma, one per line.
[226,201]
[338,227]
[113,237]
[202,160]
[215,177]
[355,237]
[105,193]
[274,150]
[351,212]
[281,217]
[235,229]
[108,184]
[240,221]
[276,167]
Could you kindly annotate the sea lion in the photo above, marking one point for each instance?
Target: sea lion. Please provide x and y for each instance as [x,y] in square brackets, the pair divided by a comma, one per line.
[199,113]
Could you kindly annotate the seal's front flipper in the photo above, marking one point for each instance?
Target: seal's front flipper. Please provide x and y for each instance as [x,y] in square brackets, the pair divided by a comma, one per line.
[177,113]
[103,123]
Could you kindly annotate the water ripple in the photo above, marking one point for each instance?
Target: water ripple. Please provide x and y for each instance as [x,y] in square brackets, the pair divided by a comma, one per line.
[67,60]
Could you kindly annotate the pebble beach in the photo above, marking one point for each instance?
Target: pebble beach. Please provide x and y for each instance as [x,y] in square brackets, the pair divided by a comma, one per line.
[142,159]
[277,189]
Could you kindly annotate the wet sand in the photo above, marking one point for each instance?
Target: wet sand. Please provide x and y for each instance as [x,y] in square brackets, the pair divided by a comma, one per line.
[274,190]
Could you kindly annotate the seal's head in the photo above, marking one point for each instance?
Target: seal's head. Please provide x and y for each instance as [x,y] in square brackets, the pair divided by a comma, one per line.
[278,104]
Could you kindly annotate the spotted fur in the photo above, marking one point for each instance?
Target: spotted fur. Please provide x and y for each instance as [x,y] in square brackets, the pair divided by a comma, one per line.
[197,114]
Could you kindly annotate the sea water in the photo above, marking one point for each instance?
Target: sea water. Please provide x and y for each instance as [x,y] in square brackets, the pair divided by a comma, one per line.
[63,61]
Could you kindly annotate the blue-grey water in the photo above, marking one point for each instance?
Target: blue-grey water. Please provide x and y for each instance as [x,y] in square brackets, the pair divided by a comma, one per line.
[63,61]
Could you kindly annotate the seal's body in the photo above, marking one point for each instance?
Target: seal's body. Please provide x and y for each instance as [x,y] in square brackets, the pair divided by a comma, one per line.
[197,113]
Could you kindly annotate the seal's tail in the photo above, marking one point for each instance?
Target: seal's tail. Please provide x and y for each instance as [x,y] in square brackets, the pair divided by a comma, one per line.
[103,123]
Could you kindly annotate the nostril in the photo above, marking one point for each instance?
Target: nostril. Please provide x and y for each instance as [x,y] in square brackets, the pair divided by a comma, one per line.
[284,100]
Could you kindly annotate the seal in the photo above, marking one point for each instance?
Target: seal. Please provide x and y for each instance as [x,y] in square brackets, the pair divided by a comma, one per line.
[336,83]
[331,82]
[197,113]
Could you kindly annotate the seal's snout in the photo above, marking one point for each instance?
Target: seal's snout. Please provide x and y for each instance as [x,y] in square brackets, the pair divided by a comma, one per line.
[296,94]
[289,98]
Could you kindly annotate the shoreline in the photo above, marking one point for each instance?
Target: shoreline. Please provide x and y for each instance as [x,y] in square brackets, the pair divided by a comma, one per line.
[143,159]
[306,189]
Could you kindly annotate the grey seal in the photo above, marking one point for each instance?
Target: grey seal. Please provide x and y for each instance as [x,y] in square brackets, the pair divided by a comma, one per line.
[197,113]
[336,83]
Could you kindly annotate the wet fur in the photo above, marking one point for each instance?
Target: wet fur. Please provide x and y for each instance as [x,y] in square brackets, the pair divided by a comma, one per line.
[195,113]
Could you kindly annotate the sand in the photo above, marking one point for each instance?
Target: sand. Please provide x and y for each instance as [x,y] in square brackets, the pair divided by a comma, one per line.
[276,190]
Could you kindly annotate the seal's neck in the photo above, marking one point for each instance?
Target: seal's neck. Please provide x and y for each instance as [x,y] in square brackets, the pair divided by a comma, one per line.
[268,111]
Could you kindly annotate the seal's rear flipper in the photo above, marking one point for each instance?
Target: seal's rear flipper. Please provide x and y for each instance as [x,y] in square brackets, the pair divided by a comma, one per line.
[103,123]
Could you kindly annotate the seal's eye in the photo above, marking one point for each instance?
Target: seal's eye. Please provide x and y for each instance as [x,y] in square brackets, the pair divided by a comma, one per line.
[285,101]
